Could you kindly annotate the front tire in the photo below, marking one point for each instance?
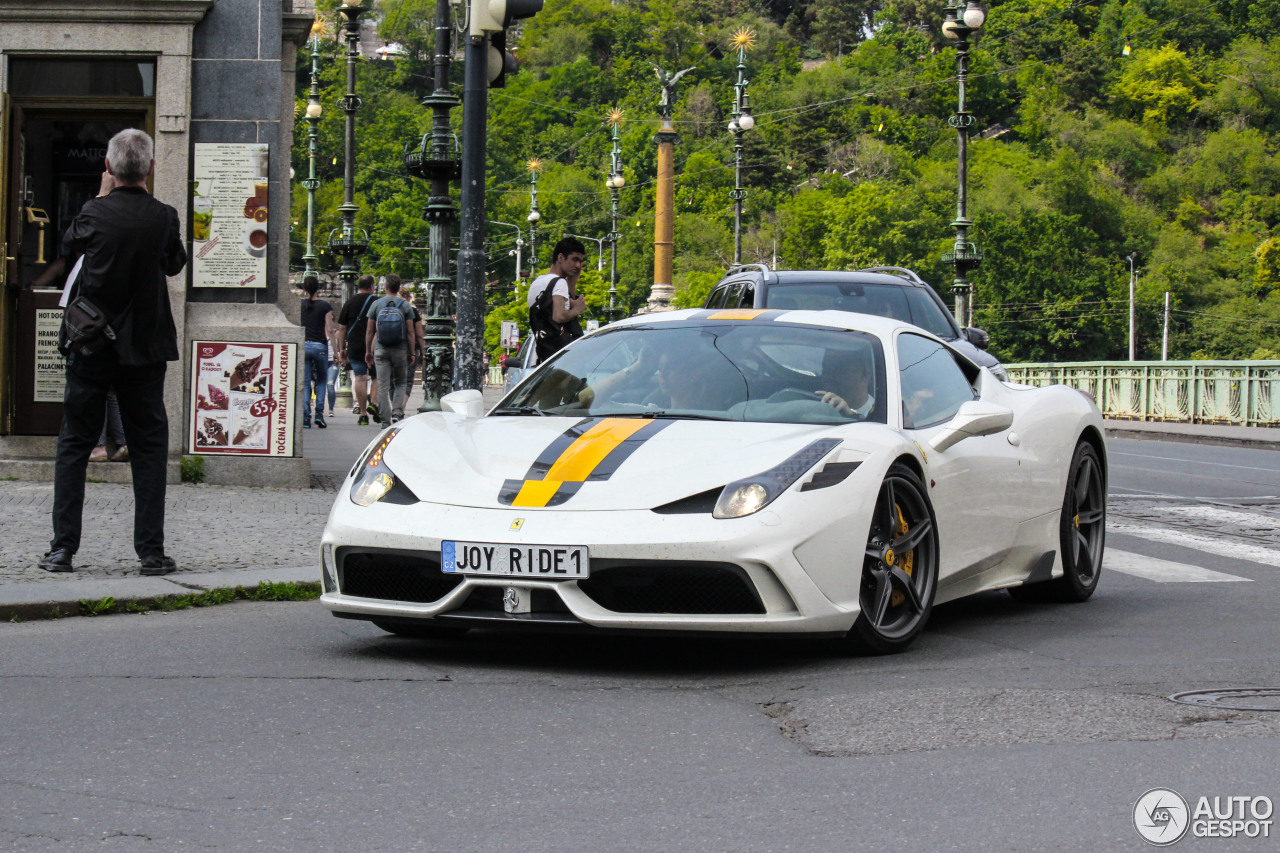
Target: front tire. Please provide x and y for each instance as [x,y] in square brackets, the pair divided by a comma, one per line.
[420,630]
[899,567]
[1082,533]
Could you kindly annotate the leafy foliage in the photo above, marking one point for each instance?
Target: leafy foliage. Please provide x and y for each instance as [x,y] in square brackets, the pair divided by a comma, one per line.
[1104,128]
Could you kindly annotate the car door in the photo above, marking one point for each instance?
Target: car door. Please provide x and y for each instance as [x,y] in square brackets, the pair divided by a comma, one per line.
[976,484]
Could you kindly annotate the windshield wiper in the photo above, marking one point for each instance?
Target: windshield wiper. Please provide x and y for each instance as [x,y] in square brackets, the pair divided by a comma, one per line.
[686,416]
[520,410]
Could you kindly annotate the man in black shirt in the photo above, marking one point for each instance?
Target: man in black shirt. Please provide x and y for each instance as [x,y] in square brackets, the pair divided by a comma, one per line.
[351,326]
[130,242]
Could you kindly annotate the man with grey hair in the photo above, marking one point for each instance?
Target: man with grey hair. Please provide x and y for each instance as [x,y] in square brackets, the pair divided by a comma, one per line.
[130,242]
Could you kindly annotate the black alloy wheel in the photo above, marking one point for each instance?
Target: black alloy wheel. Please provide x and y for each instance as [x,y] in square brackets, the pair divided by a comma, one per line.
[899,567]
[1081,533]
[420,630]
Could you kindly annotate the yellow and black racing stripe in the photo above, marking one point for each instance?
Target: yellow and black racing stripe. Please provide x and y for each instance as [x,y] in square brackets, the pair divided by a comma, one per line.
[591,449]
[738,314]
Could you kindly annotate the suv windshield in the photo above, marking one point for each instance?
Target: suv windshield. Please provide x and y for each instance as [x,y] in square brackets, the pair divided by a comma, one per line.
[909,304]
[714,370]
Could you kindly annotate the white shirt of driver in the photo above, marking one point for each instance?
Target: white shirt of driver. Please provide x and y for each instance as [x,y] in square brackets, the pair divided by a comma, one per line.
[540,284]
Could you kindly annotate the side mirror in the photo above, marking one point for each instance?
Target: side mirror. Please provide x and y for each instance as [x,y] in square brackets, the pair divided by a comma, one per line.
[973,418]
[469,403]
[977,337]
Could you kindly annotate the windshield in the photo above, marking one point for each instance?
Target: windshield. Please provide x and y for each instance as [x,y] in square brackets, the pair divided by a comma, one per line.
[715,370]
[909,304]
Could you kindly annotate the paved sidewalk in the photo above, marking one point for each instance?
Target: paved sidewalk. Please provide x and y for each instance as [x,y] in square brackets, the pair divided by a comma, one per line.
[220,536]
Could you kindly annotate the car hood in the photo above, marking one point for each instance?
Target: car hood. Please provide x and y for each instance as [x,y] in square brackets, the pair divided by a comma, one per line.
[596,463]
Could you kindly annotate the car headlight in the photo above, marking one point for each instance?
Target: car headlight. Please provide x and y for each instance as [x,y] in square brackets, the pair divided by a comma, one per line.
[373,478]
[743,497]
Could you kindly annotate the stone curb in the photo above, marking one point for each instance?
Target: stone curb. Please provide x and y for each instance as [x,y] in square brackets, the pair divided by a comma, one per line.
[30,601]
[1258,442]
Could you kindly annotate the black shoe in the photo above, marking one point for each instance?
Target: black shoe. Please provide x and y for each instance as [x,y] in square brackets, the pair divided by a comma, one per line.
[373,412]
[158,565]
[306,423]
[320,424]
[364,421]
[57,560]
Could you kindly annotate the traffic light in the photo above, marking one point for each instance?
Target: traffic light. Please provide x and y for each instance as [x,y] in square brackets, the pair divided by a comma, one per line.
[490,18]
[501,62]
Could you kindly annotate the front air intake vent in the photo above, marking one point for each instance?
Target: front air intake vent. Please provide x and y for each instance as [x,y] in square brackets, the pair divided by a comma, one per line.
[392,576]
[703,502]
[831,473]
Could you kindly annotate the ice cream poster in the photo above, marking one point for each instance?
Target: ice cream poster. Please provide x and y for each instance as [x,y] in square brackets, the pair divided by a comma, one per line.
[242,398]
[229,215]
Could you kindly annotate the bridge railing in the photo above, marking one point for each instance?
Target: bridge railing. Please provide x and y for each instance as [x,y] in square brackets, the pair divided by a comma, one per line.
[1242,393]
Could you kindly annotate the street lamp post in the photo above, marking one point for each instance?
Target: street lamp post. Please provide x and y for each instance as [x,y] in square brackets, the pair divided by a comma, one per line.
[438,161]
[346,243]
[1133,256]
[599,241]
[740,122]
[962,19]
[519,251]
[615,183]
[342,391]
[535,166]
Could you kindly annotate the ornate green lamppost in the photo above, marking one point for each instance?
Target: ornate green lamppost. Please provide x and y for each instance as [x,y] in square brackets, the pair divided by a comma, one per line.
[615,183]
[534,166]
[962,19]
[343,241]
[740,122]
[438,160]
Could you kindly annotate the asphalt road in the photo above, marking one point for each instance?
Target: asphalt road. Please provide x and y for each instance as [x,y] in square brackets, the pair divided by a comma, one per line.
[1006,727]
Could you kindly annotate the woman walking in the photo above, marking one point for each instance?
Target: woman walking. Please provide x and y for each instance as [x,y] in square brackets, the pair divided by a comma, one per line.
[317,320]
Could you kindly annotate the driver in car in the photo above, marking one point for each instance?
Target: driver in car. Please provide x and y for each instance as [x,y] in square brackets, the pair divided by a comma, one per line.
[848,374]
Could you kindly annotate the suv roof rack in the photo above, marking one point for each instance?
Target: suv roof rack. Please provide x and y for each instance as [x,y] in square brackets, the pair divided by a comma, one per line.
[901,272]
[741,267]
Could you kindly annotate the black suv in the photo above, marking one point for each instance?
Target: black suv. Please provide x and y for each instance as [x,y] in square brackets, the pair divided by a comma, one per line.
[893,292]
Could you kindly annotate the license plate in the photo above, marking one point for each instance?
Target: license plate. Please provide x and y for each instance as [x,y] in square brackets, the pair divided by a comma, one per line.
[548,562]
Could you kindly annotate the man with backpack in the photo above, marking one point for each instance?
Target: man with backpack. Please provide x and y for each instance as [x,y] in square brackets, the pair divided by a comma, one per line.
[554,303]
[391,343]
[352,321]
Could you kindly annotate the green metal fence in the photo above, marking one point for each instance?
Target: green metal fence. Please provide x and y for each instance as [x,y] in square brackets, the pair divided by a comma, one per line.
[1243,393]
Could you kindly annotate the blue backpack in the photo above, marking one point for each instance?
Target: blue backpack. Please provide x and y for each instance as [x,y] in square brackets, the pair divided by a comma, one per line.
[391,325]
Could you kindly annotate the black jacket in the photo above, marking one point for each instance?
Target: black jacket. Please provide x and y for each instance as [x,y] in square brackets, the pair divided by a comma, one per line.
[131,242]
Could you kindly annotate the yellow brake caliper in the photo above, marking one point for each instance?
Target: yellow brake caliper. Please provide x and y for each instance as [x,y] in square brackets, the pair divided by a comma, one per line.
[907,560]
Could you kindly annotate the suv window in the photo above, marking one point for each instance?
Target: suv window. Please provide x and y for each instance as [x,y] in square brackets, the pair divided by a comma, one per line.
[748,299]
[904,302]
[716,299]
[933,385]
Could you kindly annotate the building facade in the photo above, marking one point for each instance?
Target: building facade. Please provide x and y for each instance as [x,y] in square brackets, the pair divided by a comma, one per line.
[213,82]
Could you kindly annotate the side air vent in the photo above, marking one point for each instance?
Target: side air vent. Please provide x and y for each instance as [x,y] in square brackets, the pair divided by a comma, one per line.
[831,473]
[704,502]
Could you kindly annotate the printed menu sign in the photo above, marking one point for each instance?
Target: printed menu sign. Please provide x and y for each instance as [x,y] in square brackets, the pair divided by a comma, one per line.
[51,369]
[242,398]
[229,215]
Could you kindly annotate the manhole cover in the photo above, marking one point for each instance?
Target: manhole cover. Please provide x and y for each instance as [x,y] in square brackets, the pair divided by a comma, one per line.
[1234,699]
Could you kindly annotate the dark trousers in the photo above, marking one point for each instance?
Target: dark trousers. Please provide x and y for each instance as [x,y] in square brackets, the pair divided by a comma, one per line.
[140,391]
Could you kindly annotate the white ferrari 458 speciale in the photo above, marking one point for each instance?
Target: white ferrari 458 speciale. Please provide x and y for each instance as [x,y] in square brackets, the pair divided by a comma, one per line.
[770,471]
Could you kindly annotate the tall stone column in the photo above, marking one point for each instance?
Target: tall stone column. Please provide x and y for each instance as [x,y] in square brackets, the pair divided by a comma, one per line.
[664,223]
[664,219]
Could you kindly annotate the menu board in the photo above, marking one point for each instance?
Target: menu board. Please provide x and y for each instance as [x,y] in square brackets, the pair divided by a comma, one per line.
[242,398]
[229,215]
[51,368]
